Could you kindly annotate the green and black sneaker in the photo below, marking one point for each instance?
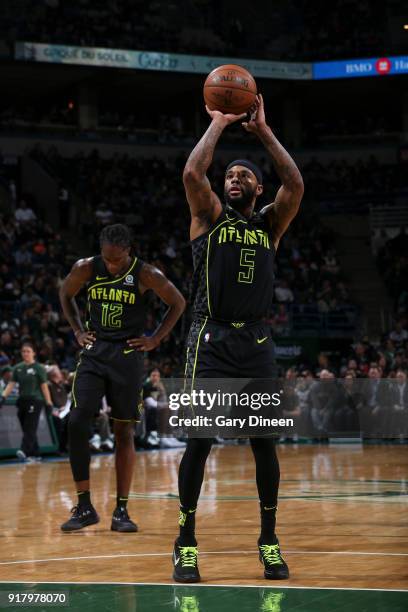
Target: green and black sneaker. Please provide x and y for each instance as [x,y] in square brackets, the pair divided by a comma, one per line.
[275,567]
[185,561]
[82,516]
[122,522]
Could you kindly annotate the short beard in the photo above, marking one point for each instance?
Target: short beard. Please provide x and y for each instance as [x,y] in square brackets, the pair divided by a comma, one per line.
[239,203]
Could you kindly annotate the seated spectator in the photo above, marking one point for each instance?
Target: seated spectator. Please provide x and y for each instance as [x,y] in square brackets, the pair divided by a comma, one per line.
[24,214]
[398,398]
[283,293]
[156,412]
[330,263]
[6,377]
[103,215]
[398,335]
[59,391]
[346,416]
[324,400]
[102,438]
[375,403]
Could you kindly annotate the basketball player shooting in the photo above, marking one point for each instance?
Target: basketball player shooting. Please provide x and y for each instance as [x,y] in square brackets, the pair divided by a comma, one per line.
[233,254]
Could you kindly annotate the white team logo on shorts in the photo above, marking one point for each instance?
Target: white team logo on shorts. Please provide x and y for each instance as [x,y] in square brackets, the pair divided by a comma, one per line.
[207,337]
[129,280]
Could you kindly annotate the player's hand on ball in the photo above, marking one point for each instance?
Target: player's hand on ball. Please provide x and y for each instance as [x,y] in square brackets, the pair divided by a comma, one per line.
[227,118]
[257,116]
[85,337]
[145,343]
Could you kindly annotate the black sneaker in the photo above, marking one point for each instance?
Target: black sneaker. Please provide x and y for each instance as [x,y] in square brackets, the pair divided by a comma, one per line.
[185,563]
[82,516]
[275,566]
[121,521]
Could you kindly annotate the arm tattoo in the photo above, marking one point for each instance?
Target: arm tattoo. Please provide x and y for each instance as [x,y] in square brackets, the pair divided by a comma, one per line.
[284,165]
[201,156]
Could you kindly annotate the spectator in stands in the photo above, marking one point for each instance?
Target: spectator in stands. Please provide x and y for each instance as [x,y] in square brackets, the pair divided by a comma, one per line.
[324,400]
[399,404]
[59,391]
[6,377]
[103,215]
[102,438]
[398,335]
[156,412]
[153,393]
[283,293]
[346,415]
[323,365]
[23,214]
[375,402]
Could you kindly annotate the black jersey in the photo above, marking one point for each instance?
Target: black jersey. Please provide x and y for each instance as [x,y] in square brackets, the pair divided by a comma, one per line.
[233,268]
[116,309]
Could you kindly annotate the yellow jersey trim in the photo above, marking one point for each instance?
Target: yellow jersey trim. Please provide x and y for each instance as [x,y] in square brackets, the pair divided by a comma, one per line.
[116,279]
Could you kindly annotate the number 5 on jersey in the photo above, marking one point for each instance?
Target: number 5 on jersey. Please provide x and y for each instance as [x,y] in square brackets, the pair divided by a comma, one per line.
[248,264]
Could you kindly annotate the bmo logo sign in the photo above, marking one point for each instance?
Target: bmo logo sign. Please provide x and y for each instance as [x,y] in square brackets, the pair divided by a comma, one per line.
[359,68]
[383,65]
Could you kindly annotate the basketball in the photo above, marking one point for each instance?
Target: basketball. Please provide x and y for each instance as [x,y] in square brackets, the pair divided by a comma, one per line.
[230,89]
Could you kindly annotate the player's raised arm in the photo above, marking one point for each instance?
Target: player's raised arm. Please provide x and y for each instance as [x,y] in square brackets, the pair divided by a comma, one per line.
[205,205]
[289,195]
[151,278]
[80,274]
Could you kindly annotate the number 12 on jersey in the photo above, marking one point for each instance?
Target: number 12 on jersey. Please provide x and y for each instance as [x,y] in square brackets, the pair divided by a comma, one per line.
[247,262]
[111,314]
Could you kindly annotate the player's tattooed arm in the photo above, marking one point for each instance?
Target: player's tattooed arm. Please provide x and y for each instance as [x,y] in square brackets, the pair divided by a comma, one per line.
[80,274]
[287,201]
[205,205]
[151,278]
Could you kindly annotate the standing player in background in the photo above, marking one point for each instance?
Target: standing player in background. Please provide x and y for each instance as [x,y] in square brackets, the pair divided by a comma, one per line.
[111,362]
[33,391]
[233,254]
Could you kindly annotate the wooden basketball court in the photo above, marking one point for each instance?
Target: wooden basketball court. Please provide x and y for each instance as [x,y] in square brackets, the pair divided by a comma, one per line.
[342,524]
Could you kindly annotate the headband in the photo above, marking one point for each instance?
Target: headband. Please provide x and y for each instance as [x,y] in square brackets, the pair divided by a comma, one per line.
[247,164]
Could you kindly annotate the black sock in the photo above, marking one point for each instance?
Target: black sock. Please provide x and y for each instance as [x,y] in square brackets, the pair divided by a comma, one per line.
[121,501]
[187,527]
[84,498]
[268,521]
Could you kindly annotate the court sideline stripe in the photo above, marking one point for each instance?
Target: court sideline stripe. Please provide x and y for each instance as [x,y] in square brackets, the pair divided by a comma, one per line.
[203,586]
[226,552]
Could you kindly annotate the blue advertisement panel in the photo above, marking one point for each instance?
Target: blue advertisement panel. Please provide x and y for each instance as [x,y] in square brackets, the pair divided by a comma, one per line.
[367,67]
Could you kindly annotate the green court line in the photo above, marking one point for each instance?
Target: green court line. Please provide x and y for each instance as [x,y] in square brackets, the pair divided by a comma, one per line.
[91,597]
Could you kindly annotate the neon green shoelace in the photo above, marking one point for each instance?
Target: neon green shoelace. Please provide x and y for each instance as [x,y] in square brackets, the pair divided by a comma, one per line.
[188,556]
[271,553]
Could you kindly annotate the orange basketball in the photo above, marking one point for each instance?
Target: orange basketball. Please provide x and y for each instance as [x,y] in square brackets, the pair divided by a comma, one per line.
[230,89]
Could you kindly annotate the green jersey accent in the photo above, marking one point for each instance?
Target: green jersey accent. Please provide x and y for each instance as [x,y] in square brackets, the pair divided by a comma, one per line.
[233,268]
[30,378]
[116,309]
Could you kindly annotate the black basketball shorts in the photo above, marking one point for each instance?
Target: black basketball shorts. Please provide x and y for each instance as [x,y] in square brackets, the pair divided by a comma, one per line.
[229,350]
[110,369]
